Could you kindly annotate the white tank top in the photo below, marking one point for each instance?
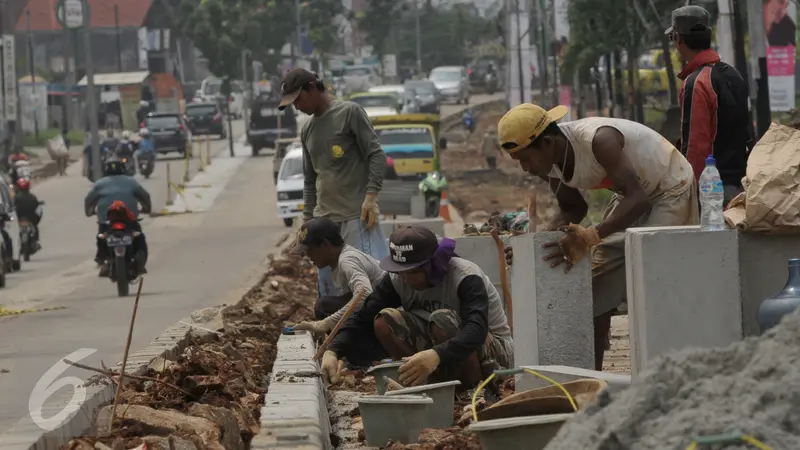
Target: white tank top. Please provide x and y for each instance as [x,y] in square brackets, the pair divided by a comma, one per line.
[660,166]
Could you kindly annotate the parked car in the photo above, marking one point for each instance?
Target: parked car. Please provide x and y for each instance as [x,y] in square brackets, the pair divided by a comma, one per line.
[205,118]
[268,125]
[452,83]
[289,185]
[425,94]
[170,132]
[361,77]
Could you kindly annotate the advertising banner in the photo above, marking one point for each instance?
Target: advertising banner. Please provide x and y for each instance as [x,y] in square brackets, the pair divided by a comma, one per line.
[780,28]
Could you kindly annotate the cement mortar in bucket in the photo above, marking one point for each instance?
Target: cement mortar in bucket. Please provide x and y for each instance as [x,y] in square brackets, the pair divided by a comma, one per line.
[389,370]
[398,418]
[519,433]
[440,414]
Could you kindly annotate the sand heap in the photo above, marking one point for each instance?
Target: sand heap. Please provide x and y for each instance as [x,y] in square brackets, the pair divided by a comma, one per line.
[751,386]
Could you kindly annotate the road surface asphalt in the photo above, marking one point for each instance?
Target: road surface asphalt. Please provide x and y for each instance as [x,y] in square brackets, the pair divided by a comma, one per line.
[195,260]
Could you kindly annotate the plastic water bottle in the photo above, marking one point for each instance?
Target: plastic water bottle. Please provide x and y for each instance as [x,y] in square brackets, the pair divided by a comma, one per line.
[711,197]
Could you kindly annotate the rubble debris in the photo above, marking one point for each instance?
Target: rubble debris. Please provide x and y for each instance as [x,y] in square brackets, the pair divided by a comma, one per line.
[747,387]
[453,438]
[209,397]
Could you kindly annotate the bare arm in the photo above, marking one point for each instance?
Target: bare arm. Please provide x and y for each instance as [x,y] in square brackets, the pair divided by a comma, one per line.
[356,279]
[607,146]
[571,204]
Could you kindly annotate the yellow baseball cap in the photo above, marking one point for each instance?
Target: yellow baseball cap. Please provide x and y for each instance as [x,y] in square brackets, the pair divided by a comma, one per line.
[524,123]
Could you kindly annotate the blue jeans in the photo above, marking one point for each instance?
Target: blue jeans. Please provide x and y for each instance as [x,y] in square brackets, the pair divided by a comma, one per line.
[355,233]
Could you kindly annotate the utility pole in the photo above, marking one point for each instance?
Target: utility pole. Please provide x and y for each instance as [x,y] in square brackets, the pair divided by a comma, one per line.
[518,41]
[419,36]
[759,83]
[299,38]
[725,31]
[117,34]
[91,95]
[6,122]
[247,90]
[32,71]
[544,44]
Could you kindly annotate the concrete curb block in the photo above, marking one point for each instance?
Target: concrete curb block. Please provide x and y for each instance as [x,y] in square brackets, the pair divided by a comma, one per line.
[295,411]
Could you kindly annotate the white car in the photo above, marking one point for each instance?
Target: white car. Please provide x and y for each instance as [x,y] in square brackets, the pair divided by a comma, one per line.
[290,185]
[361,77]
[452,83]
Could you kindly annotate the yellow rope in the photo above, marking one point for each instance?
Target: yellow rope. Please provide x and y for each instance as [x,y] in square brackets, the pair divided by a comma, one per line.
[745,437]
[5,312]
[532,372]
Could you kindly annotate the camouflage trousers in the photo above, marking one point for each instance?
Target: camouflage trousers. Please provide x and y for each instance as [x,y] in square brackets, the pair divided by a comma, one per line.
[416,332]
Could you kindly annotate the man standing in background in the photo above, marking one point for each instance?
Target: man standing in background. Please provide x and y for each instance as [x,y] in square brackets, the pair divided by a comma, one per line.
[714,98]
[343,166]
[489,147]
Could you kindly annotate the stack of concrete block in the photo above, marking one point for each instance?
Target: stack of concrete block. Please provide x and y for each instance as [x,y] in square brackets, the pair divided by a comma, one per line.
[688,287]
[554,319]
[295,412]
[482,250]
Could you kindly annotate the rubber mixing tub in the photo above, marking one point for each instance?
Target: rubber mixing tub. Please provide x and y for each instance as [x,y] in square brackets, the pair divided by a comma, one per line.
[440,414]
[519,433]
[398,418]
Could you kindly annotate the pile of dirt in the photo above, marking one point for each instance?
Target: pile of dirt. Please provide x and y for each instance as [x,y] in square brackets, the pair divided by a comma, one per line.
[453,438]
[748,387]
[210,396]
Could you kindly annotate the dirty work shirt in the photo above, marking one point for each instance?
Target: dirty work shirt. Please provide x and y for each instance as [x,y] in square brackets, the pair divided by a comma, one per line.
[465,290]
[342,161]
[354,270]
[666,177]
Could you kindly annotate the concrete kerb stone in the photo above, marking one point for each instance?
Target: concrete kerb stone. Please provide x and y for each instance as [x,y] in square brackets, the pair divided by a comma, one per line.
[27,435]
[295,411]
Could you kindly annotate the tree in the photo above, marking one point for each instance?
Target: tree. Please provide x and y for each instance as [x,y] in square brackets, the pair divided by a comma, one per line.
[321,27]
[378,22]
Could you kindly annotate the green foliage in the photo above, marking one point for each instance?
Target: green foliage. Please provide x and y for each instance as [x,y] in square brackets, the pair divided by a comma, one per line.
[598,27]
[379,21]
[222,29]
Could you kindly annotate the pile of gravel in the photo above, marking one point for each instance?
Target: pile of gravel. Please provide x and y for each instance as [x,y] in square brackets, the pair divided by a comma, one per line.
[752,386]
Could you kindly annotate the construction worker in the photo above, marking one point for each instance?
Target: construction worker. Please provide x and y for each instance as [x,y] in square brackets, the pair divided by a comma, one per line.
[343,165]
[434,308]
[653,185]
[489,146]
[320,239]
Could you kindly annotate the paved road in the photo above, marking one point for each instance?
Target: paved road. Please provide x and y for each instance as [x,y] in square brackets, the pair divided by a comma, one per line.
[195,259]
[474,100]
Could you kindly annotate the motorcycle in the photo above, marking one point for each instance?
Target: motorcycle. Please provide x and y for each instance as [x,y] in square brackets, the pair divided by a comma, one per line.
[469,123]
[122,267]
[29,242]
[147,162]
[490,81]
[431,188]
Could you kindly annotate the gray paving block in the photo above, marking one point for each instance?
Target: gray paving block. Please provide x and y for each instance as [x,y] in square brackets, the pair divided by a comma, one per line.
[554,320]
[686,277]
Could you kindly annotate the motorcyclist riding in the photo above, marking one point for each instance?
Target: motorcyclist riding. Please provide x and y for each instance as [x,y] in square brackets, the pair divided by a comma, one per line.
[110,142]
[27,206]
[469,120]
[15,162]
[146,146]
[115,186]
[143,111]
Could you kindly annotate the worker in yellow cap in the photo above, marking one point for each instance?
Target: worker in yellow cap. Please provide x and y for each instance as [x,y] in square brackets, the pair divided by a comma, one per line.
[653,185]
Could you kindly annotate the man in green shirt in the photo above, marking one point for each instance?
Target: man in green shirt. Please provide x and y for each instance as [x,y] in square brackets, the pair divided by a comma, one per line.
[343,166]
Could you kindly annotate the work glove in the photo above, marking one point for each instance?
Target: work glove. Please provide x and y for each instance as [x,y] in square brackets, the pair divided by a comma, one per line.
[577,242]
[316,327]
[331,368]
[417,368]
[369,210]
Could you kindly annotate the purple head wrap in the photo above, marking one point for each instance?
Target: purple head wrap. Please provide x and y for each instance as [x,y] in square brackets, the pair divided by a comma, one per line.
[436,267]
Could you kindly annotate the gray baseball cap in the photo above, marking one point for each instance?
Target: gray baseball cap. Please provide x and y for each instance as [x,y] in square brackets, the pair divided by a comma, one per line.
[690,20]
